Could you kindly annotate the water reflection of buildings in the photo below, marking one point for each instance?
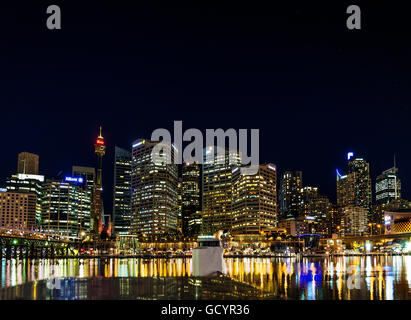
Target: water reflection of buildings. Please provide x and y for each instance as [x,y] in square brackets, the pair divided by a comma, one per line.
[259,278]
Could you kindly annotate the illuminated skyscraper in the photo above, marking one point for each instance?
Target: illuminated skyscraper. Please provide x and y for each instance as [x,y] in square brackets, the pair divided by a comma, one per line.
[95,223]
[65,206]
[154,207]
[354,221]
[290,194]
[387,186]
[254,203]
[28,183]
[217,189]
[122,191]
[353,192]
[313,204]
[355,187]
[191,208]
[88,174]
[28,163]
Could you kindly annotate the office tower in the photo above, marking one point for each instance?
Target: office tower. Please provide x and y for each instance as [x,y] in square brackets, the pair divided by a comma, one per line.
[28,183]
[18,210]
[354,189]
[387,186]
[359,169]
[254,206]
[28,163]
[217,188]
[290,194]
[354,220]
[65,206]
[97,208]
[122,191]
[313,204]
[154,191]
[88,174]
[345,190]
[191,208]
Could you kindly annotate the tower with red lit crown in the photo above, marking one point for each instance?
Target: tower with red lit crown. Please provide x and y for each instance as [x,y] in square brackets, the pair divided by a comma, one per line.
[100,151]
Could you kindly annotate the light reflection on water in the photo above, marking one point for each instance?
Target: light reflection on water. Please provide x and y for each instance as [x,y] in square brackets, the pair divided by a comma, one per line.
[376,278]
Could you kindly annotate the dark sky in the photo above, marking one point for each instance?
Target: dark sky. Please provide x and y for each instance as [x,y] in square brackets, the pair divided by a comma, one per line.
[315,89]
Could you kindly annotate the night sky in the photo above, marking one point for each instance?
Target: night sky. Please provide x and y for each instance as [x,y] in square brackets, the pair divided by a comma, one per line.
[315,89]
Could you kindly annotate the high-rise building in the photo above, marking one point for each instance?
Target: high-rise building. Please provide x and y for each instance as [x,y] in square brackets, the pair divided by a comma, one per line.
[290,194]
[359,169]
[190,191]
[354,220]
[97,208]
[28,183]
[122,191]
[87,173]
[313,204]
[18,210]
[28,163]
[154,192]
[217,188]
[354,189]
[65,207]
[254,205]
[387,186]
[88,176]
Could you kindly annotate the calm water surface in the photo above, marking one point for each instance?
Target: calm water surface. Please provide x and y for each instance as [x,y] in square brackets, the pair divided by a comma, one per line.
[372,278]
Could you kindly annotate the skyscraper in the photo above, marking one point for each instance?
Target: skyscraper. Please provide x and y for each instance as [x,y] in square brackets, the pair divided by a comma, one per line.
[354,220]
[28,163]
[88,174]
[191,208]
[313,204]
[387,186]
[95,223]
[217,188]
[359,169]
[353,192]
[122,191]
[154,186]
[290,194]
[65,206]
[254,204]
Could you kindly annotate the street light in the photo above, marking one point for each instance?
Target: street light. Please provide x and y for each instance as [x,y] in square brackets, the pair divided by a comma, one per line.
[379,227]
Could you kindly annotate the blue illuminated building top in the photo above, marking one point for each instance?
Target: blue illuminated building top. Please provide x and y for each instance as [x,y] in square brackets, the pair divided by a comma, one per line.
[74,179]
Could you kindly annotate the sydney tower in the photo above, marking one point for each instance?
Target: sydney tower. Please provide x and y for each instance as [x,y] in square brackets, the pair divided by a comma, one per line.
[100,151]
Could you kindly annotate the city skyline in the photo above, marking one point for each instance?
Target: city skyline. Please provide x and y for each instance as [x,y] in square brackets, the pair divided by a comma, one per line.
[314,89]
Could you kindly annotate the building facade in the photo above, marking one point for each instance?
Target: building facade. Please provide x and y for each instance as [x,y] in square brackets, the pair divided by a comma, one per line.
[217,188]
[354,221]
[28,163]
[190,202]
[387,186]
[18,210]
[154,189]
[290,194]
[122,191]
[28,183]
[66,205]
[254,204]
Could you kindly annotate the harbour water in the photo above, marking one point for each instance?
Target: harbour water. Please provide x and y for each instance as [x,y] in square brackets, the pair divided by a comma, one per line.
[337,278]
